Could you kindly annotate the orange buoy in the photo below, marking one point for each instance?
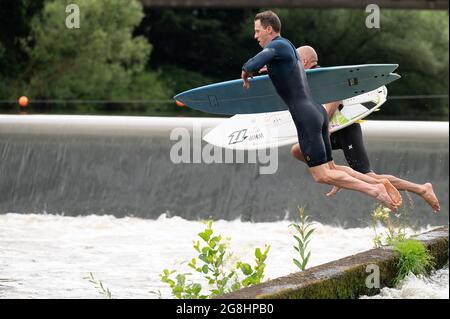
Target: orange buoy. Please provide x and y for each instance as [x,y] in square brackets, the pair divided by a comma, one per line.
[23,101]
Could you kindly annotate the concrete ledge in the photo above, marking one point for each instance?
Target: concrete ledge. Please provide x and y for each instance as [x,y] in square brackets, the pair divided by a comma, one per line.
[162,126]
[344,278]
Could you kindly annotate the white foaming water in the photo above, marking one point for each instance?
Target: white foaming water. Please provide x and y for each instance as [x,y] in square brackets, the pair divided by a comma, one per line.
[412,287]
[47,256]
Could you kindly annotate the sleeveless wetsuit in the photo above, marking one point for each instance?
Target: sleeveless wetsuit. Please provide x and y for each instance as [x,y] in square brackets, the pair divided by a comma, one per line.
[290,81]
[350,141]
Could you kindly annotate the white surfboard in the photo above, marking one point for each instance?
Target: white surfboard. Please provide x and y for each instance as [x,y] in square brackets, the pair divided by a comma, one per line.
[275,129]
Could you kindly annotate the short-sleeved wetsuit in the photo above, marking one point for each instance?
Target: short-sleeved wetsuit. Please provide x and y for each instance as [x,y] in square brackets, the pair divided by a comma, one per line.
[290,81]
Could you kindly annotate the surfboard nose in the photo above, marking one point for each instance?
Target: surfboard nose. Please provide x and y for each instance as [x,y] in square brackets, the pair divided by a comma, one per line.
[387,68]
[393,77]
[178,97]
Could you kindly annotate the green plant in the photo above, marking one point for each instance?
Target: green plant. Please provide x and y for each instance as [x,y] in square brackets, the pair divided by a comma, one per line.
[156,293]
[396,230]
[211,260]
[99,285]
[414,258]
[256,274]
[305,231]
[181,289]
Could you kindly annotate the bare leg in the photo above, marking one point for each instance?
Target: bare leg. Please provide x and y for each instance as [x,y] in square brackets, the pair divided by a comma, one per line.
[392,190]
[425,191]
[297,152]
[350,171]
[325,175]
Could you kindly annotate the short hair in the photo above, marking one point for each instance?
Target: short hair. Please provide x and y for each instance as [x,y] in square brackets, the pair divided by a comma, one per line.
[269,18]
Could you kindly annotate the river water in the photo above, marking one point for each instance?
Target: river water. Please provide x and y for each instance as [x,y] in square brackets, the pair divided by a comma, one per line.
[48,256]
[103,195]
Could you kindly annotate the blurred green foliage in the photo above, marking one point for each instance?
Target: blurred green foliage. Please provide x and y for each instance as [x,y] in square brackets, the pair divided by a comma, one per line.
[417,40]
[124,52]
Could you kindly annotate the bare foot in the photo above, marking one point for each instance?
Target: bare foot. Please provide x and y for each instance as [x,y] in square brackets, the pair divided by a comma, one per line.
[333,191]
[384,198]
[393,192]
[429,196]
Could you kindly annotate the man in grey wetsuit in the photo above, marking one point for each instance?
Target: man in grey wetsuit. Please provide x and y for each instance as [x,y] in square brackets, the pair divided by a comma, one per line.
[289,79]
[350,141]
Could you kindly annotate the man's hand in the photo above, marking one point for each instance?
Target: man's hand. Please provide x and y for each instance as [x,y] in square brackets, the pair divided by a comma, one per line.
[244,76]
[263,69]
[332,107]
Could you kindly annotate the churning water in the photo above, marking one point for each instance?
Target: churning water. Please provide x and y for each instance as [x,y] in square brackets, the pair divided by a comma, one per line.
[48,256]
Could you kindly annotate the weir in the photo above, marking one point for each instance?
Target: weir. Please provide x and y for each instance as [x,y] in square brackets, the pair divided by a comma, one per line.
[347,277]
[121,166]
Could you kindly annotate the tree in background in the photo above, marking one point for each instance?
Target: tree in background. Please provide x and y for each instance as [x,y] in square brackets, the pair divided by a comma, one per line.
[2,76]
[198,46]
[215,43]
[109,56]
[101,60]
[416,40]
[14,24]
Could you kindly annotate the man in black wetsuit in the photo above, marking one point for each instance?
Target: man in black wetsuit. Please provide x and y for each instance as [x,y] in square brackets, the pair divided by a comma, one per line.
[350,141]
[289,78]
